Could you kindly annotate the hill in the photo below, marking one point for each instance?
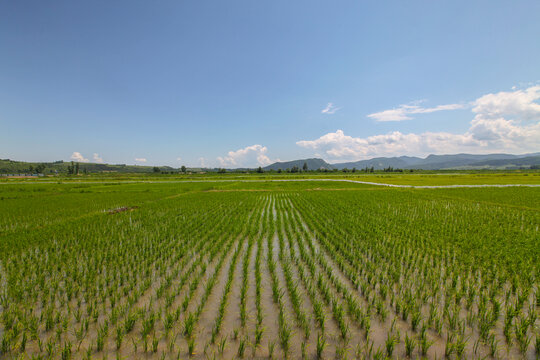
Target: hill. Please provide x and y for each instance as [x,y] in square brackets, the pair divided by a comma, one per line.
[381,163]
[8,166]
[312,164]
[441,162]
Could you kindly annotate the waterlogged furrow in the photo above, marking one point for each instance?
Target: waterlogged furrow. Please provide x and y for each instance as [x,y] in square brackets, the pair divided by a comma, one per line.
[280,273]
[452,315]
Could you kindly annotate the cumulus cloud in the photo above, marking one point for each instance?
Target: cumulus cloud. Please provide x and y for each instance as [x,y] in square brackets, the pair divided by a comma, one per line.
[503,122]
[330,109]
[179,159]
[143,160]
[518,104]
[246,157]
[202,161]
[97,158]
[403,111]
[337,145]
[77,156]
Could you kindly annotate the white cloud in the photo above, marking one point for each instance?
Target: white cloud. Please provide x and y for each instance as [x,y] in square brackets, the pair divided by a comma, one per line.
[503,122]
[330,109]
[179,159]
[403,111]
[247,156]
[202,161]
[519,104]
[143,160]
[97,158]
[77,156]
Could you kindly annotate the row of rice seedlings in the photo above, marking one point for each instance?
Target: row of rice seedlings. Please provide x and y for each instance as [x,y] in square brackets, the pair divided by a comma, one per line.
[103,335]
[224,298]
[354,309]
[192,318]
[245,284]
[259,329]
[81,332]
[318,308]
[421,294]
[284,330]
[292,287]
[328,294]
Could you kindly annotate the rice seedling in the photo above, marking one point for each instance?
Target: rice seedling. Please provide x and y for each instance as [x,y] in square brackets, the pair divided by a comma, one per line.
[119,337]
[271,347]
[241,347]
[425,344]
[258,334]
[341,352]
[66,351]
[155,343]
[191,346]
[390,343]
[321,344]
[342,262]
[410,345]
[222,345]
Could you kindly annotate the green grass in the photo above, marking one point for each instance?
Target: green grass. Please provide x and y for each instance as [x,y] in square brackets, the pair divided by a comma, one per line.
[421,178]
[458,178]
[463,260]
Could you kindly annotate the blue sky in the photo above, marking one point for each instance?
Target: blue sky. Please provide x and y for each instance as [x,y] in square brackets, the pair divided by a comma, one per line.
[243,83]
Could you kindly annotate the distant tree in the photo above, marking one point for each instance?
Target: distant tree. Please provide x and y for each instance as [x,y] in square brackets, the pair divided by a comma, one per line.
[40,168]
[371,169]
[295,169]
[183,168]
[30,168]
[279,171]
[345,170]
[222,171]
[353,169]
[156,169]
[305,167]
[260,170]
[71,168]
[77,168]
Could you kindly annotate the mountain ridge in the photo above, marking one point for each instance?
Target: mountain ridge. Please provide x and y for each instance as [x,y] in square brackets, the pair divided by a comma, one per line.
[430,162]
[312,164]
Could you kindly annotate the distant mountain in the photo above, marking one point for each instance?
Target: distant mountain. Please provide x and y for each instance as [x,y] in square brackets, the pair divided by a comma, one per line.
[507,163]
[440,162]
[8,166]
[431,162]
[435,162]
[401,162]
[313,164]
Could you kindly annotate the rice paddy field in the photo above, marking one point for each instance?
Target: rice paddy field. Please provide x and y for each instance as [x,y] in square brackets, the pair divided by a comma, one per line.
[265,269]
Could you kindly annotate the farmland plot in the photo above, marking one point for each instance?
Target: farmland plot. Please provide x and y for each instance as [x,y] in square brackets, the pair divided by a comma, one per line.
[290,273]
